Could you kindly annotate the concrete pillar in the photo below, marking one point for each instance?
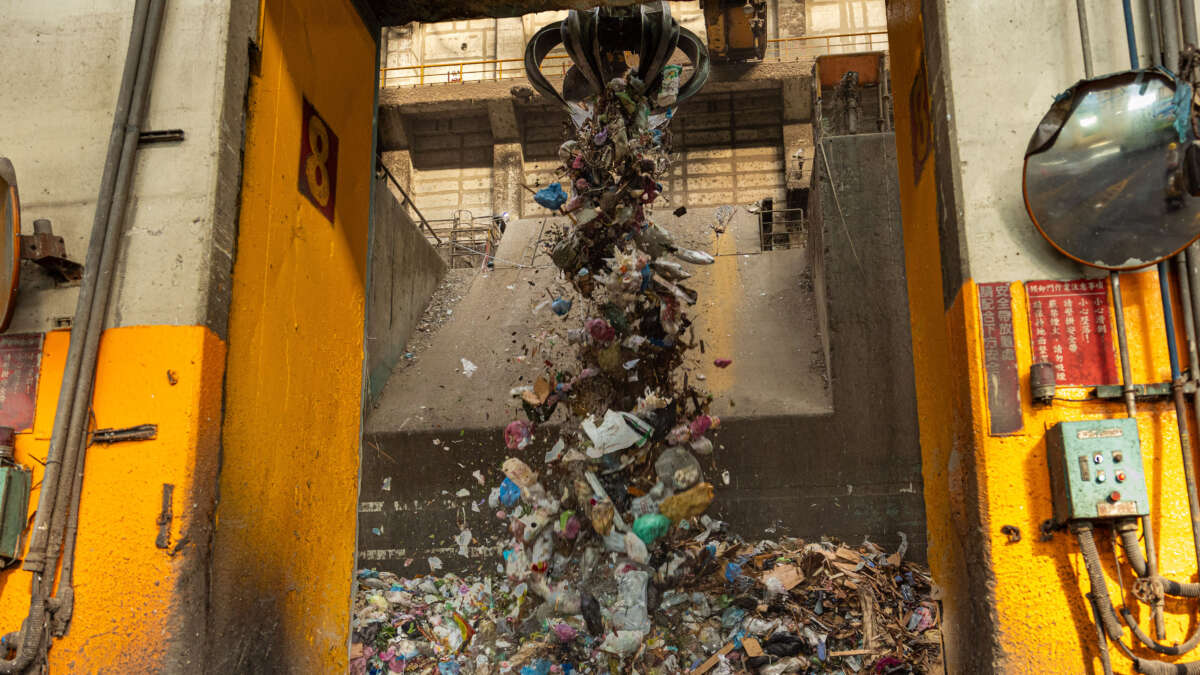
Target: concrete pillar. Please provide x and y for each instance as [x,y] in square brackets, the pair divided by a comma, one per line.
[798,137]
[399,162]
[508,160]
[502,115]
[508,174]
[797,99]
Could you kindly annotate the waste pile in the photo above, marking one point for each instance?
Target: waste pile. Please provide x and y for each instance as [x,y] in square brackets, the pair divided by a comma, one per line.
[612,564]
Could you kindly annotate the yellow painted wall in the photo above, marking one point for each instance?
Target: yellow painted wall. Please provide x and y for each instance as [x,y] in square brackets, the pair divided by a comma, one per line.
[1044,622]
[975,483]
[136,605]
[284,548]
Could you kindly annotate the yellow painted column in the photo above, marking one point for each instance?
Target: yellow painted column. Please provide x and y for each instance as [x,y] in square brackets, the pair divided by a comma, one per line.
[1013,607]
[286,524]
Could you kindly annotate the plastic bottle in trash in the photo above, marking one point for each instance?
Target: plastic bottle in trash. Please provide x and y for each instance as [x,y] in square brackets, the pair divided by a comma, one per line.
[630,612]
[668,91]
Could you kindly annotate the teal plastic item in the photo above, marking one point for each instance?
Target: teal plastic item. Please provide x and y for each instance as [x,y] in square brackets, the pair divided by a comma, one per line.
[1096,470]
[651,526]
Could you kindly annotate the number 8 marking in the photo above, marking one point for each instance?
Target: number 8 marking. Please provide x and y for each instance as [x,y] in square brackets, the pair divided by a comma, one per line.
[314,169]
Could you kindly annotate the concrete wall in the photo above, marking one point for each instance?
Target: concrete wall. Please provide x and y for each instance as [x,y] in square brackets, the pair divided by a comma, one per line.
[1001,244]
[451,164]
[859,279]
[404,271]
[844,16]
[64,67]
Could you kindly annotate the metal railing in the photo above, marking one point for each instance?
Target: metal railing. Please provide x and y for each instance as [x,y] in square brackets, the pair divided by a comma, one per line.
[779,50]
[408,202]
[781,229]
[467,241]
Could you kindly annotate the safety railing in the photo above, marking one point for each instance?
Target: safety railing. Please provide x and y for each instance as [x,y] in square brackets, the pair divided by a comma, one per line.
[781,229]
[809,47]
[779,50]
[467,241]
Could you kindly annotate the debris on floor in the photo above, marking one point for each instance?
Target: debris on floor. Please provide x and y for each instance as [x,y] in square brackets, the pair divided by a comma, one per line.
[610,562]
[710,604]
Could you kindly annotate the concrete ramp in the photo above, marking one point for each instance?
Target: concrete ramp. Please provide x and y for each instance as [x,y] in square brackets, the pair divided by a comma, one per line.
[434,426]
[755,308]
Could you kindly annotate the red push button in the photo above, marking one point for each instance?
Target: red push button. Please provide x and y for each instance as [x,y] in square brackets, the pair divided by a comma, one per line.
[1114,496]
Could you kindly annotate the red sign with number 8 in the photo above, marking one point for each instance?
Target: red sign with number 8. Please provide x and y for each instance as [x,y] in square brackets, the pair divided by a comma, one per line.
[318,161]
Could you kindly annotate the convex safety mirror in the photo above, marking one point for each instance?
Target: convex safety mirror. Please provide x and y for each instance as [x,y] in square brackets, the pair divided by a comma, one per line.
[1105,179]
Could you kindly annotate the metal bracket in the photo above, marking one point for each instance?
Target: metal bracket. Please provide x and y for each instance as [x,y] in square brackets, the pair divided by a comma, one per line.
[160,136]
[47,250]
[1155,389]
[164,518]
[142,432]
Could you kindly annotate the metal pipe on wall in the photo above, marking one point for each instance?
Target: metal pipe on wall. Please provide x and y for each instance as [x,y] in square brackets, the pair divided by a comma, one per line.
[1187,19]
[1169,15]
[66,506]
[1155,32]
[30,639]
[1128,390]
[34,559]
[1085,39]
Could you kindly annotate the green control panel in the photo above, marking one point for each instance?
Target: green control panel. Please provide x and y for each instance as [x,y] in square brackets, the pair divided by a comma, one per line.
[14,510]
[1096,470]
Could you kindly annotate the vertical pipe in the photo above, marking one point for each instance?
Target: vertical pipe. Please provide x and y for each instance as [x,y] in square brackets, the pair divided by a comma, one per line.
[1187,18]
[1085,40]
[1127,388]
[1189,319]
[1155,31]
[1170,31]
[35,557]
[1126,377]
[1130,40]
[1189,469]
[77,427]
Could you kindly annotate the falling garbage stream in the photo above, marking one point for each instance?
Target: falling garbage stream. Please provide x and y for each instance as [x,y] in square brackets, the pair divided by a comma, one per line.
[610,563]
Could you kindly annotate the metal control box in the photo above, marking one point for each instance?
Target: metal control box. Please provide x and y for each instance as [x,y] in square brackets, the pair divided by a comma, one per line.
[14,510]
[1096,470]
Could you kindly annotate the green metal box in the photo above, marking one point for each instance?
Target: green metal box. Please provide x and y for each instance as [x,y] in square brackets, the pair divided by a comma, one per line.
[15,482]
[1096,470]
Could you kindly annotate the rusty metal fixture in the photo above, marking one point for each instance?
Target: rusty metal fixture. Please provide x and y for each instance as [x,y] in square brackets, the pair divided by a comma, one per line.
[1148,590]
[47,250]
[10,241]
[8,439]
[1042,382]
[142,432]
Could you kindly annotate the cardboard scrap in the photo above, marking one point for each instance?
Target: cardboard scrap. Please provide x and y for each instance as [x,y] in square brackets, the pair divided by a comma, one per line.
[751,647]
[789,576]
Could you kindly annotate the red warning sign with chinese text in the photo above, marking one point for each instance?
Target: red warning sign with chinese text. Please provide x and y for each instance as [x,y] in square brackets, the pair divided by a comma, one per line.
[20,363]
[1069,327]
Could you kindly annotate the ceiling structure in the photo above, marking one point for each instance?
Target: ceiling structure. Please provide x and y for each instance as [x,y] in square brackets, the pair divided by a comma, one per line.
[399,12]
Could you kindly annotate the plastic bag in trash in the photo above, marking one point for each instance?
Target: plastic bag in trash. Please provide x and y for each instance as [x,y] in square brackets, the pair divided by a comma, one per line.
[551,196]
